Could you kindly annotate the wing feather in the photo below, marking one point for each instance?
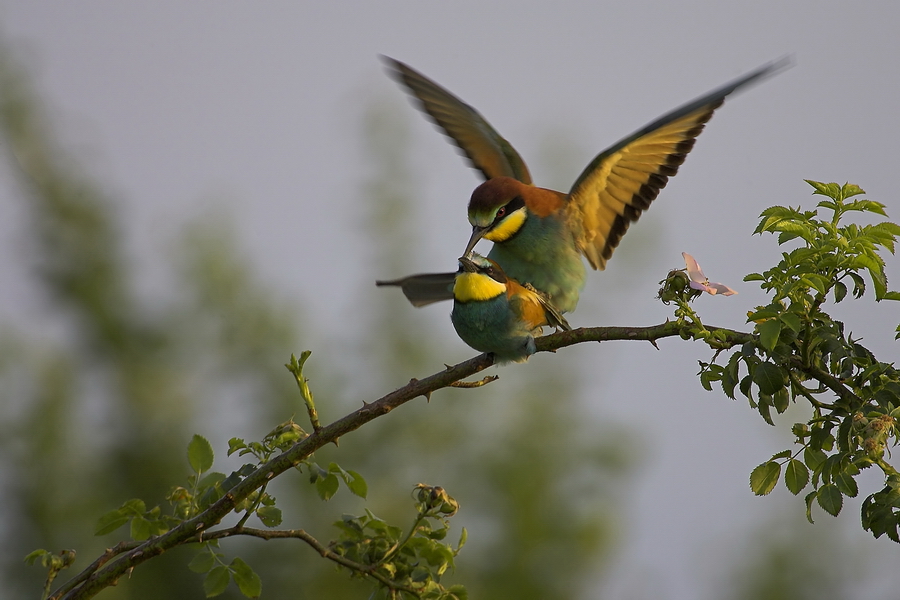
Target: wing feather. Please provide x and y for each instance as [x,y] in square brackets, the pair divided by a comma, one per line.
[622,181]
[534,307]
[486,149]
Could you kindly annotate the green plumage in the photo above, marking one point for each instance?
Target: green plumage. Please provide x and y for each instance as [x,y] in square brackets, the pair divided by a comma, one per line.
[492,326]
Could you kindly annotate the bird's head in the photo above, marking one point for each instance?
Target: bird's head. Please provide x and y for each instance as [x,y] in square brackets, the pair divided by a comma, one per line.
[497,210]
[478,279]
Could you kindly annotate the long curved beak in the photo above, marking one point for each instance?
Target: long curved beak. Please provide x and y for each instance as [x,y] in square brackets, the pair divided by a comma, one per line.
[477,234]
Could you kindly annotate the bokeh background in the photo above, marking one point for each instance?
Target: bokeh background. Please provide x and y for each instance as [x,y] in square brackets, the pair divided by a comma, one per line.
[208,187]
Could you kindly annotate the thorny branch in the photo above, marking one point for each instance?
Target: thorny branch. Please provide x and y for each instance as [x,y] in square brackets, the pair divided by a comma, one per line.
[105,571]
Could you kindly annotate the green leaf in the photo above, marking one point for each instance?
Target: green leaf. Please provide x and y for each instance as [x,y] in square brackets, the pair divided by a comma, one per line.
[110,522]
[866,206]
[830,499]
[212,479]
[203,562]
[36,554]
[781,400]
[773,216]
[846,484]
[840,291]
[765,401]
[845,434]
[782,212]
[457,592]
[792,321]
[246,579]
[796,476]
[848,190]
[883,234]
[140,529]
[825,189]
[349,480]
[821,438]
[216,581]
[786,236]
[817,282]
[200,454]
[801,430]
[730,375]
[792,229]
[764,477]
[886,227]
[420,574]
[704,380]
[768,377]
[357,484]
[878,516]
[235,444]
[766,312]
[809,500]
[859,285]
[269,515]
[881,291]
[872,263]
[832,466]
[327,486]
[133,508]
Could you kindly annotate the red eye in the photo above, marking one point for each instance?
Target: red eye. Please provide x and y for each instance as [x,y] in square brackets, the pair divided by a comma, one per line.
[501,212]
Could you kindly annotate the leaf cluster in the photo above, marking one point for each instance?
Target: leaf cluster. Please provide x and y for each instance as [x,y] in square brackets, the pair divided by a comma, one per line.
[411,564]
[408,565]
[53,562]
[833,255]
[800,351]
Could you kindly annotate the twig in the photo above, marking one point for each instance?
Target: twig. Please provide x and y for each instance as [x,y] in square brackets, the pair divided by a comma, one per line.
[91,568]
[828,380]
[322,549]
[475,384]
[296,367]
[798,385]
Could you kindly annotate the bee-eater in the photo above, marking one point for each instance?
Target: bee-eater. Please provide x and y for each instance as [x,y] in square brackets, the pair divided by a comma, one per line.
[539,234]
[491,312]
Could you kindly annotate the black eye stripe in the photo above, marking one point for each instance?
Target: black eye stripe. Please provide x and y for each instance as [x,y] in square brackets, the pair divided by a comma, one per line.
[515,204]
[494,274]
[509,208]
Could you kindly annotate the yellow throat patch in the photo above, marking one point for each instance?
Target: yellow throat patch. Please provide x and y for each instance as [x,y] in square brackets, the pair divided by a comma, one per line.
[476,287]
[507,226]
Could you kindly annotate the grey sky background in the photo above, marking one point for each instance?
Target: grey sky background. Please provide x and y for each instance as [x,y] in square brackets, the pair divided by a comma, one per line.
[258,107]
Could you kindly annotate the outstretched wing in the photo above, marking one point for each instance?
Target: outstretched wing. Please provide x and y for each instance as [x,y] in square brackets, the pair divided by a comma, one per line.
[479,142]
[622,181]
[422,290]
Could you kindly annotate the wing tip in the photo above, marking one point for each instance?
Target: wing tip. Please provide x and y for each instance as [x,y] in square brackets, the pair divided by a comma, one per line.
[769,69]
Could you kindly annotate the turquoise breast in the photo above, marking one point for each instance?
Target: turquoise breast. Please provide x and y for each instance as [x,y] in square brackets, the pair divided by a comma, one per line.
[491,326]
[543,253]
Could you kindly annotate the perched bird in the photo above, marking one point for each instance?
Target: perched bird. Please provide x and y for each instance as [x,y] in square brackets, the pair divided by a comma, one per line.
[539,234]
[491,312]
